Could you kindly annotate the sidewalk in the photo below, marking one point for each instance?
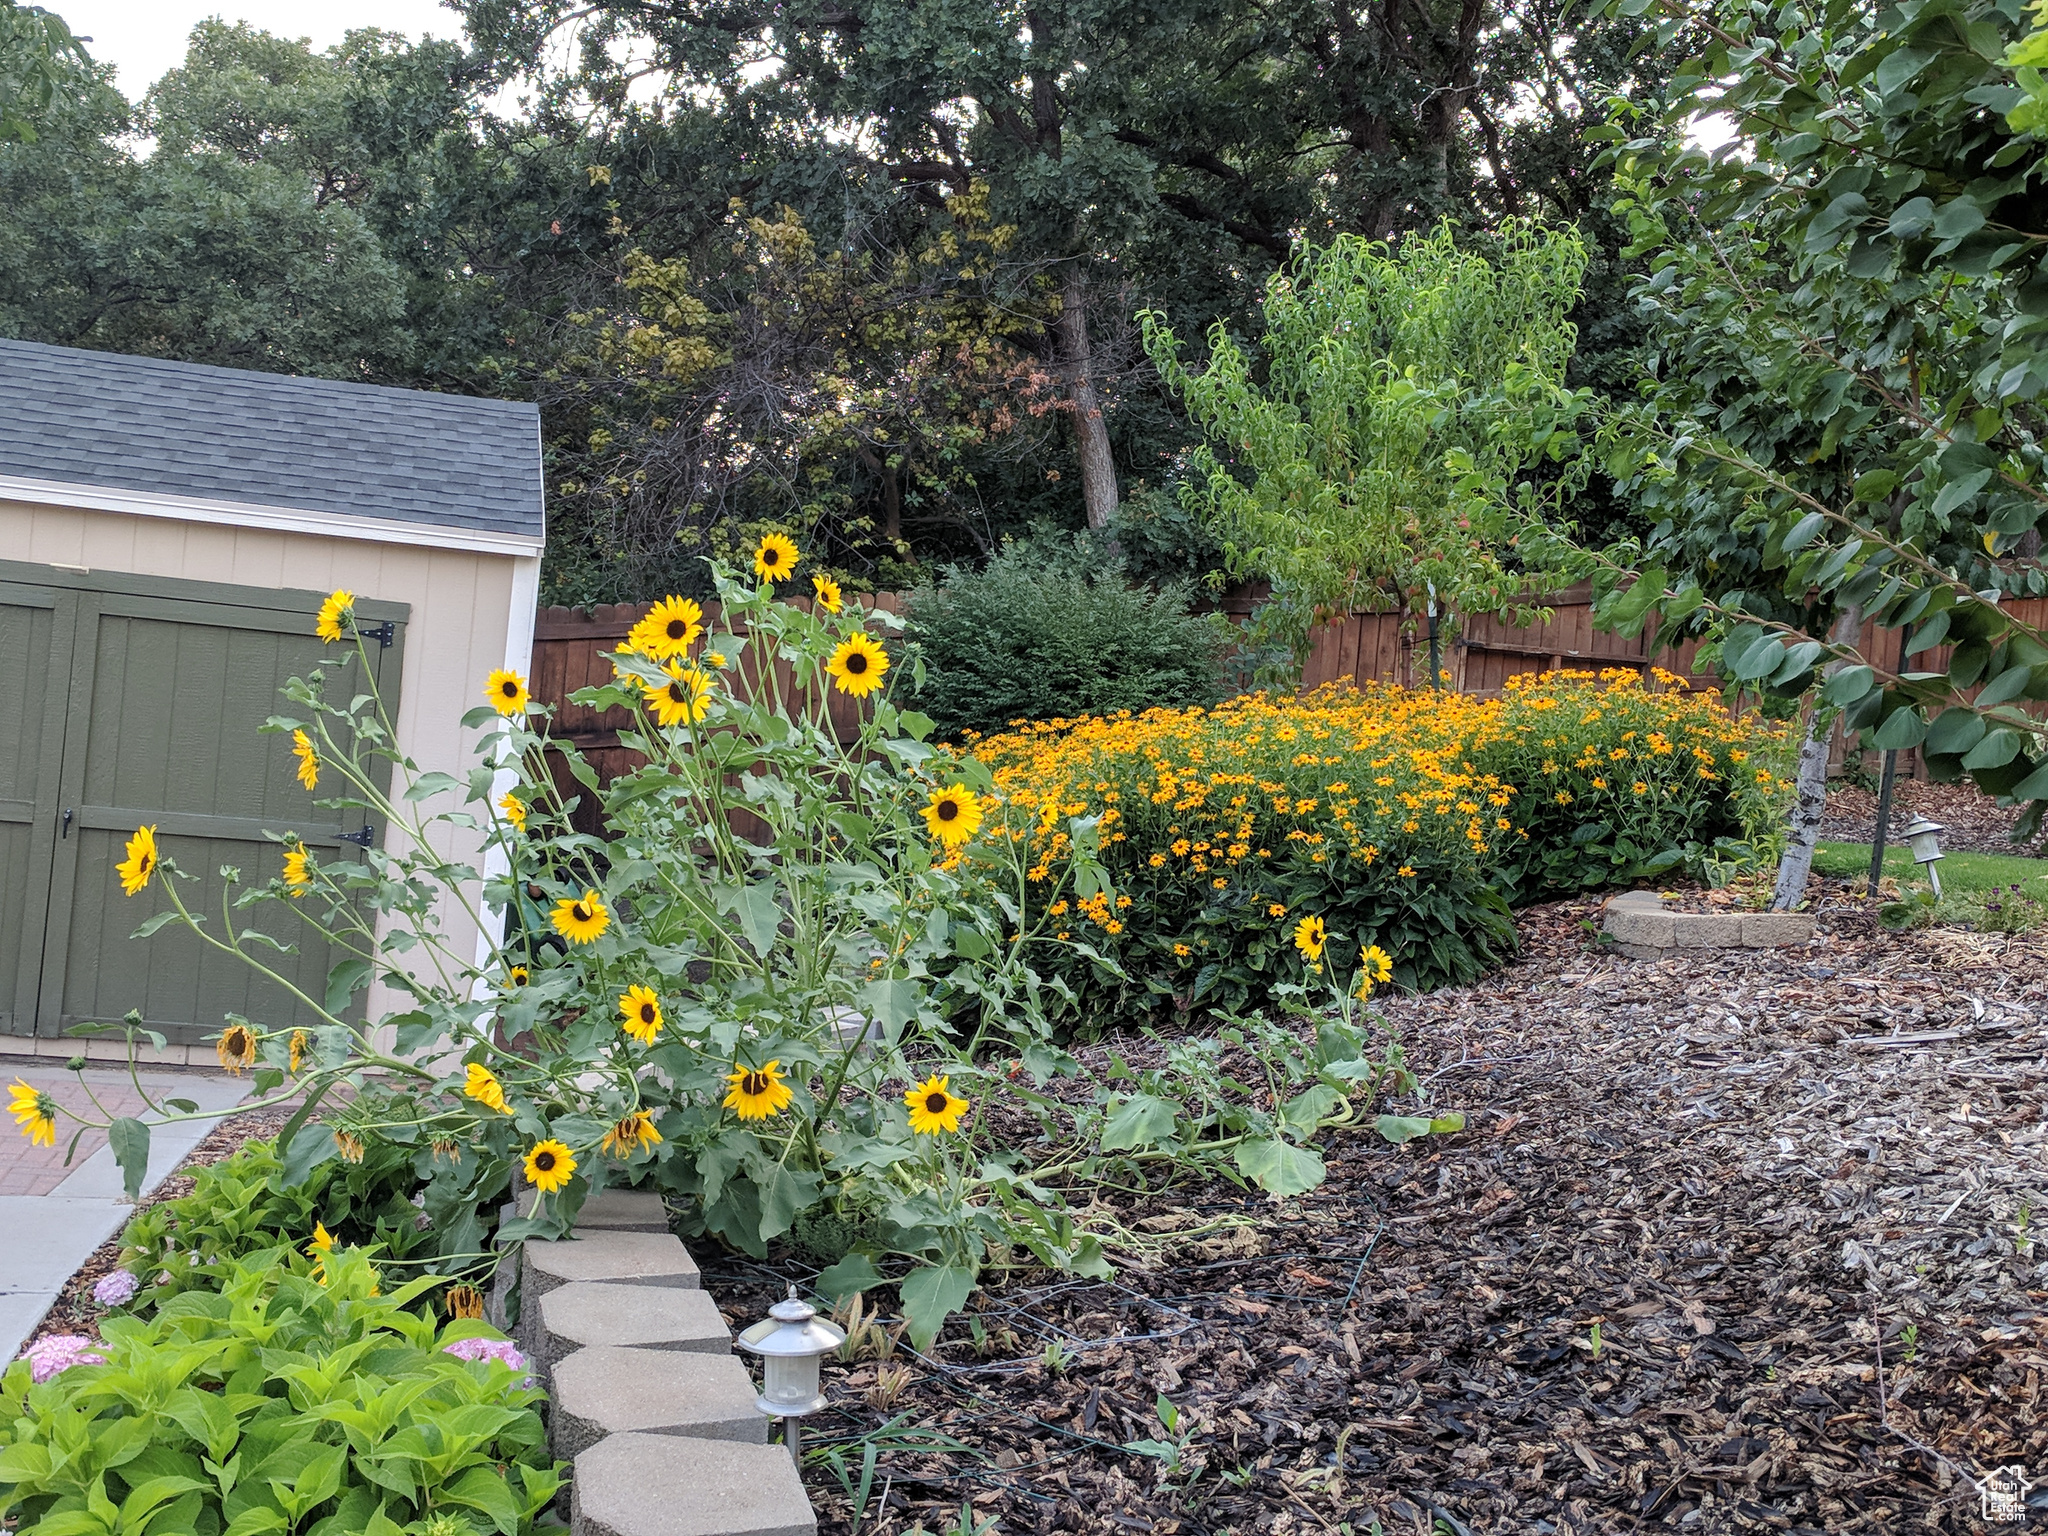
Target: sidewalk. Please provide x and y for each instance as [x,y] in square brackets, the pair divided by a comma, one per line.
[56,1214]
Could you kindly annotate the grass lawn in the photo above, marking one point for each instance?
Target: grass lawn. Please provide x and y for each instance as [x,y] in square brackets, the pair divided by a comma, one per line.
[1960,872]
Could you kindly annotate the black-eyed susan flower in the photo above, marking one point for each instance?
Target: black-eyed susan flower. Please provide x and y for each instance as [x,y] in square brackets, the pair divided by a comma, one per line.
[513,809]
[682,697]
[857,666]
[463,1302]
[933,1108]
[640,1011]
[236,1048]
[549,1165]
[668,630]
[631,1135]
[776,558]
[580,919]
[140,864]
[755,1093]
[484,1087]
[298,876]
[825,593]
[35,1113]
[953,815]
[309,762]
[1310,935]
[506,692]
[339,605]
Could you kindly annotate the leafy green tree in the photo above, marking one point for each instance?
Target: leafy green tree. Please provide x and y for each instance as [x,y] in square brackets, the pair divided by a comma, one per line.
[1342,456]
[38,58]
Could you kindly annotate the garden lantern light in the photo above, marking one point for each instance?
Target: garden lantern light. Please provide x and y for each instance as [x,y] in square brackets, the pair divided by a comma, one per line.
[791,1342]
[1924,837]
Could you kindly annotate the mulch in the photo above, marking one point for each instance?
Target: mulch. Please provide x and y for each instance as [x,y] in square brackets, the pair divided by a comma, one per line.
[1790,1188]
[1971,820]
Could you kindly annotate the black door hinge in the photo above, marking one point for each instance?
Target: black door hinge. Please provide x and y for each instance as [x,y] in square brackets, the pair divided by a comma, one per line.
[383,634]
[361,839]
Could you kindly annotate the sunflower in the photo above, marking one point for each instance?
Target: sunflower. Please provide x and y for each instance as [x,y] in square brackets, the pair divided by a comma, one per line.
[309,765]
[506,692]
[776,559]
[549,1165]
[953,815]
[755,1094]
[485,1089]
[641,1010]
[300,1040]
[35,1112]
[318,1250]
[826,594]
[339,605]
[580,919]
[236,1048]
[464,1301]
[513,809]
[631,1135]
[857,666]
[350,1146]
[297,876]
[685,696]
[668,629]
[1309,937]
[518,976]
[140,864]
[1375,966]
[932,1108]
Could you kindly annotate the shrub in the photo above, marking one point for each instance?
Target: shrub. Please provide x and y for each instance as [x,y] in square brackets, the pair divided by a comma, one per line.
[1406,820]
[1046,628]
[284,1402]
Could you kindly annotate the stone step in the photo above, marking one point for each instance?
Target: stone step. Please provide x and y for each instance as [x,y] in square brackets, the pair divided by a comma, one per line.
[665,1485]
[606,1391]
[588,1313]
[620,1258]
[624,1210]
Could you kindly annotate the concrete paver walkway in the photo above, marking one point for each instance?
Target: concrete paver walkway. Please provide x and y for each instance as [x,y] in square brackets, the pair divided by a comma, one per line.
[56,1214]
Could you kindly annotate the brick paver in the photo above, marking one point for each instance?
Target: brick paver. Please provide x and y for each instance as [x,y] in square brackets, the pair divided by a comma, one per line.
[32,1170]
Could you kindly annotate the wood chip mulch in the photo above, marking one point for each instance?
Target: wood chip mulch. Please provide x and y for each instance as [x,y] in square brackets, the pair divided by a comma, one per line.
[1791,1188]
[1972,821]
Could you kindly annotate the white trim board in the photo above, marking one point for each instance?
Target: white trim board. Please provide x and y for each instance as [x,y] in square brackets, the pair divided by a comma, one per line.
[240,514]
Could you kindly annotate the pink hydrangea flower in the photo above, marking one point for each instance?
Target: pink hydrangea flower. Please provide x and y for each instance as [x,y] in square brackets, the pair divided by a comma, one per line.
[502,1350]
[59,1352]
[116,1289]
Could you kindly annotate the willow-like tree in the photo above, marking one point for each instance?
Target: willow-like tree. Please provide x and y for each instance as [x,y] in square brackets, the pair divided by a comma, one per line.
[1381,445]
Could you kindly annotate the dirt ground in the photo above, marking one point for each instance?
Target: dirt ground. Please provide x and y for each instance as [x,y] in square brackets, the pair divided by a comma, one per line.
[1972,820]
[1738,1242]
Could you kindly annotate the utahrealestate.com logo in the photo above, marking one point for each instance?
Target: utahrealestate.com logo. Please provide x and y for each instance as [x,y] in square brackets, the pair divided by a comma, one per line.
[2003,1497]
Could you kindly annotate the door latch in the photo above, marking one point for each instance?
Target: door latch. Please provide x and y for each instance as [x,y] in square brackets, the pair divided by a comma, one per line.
[68,813]
[361,839]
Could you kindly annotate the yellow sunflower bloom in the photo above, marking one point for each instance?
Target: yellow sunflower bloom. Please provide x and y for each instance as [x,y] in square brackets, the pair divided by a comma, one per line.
[549,1166]
[684,699]
[513,809]
[339,605]
[580,920]
[318,1250]
[35,1113]
[641,1011]
[755,1094]
[506,692]
[857,666]
[1310,936]
[485,1089]
[309,765]
[140,864]
[298,877]
[630,1135]
[668,630]
[953,816]
[1377,964]
[236,1048]
[933,1108]
[826,594]
[776,559]
[518,976]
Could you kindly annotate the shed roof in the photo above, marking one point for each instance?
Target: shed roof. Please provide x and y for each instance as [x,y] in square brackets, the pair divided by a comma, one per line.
[146,424]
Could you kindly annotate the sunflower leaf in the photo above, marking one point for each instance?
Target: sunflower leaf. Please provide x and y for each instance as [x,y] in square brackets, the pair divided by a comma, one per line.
[930,1296]
[130,1140]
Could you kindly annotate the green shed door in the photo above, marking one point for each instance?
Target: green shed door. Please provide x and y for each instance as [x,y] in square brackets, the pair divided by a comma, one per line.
[31,755]
[163,687]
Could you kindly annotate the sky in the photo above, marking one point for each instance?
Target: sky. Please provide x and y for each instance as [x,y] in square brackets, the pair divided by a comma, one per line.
[144,38]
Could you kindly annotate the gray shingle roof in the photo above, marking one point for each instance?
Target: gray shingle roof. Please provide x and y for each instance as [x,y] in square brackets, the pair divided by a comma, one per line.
[268,439]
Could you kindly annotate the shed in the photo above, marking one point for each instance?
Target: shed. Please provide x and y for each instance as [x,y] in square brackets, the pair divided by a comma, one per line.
[167,534]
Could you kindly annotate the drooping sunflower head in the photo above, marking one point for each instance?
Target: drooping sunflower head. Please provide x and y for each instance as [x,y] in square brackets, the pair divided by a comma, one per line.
[299,1041]
[682,697]
[953,815]
[858,665]
[668,629]
[35,1113]
[513,809]
[825,593]
[755,1093]
[339,605]
[350,1146]
[298,877]
[640,1011]
[1310,936]
[464,1302]
[933,1108]
[549,1165]
[775,559]
[236,1048]
[632,1134]
[485,1088]
[309,764]
[506,692]
[580,919]
[141,862]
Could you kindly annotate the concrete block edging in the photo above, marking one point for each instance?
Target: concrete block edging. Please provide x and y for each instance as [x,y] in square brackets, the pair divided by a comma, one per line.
[1639,925]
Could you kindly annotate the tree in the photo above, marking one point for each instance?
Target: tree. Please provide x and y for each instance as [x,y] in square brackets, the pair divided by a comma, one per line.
[39,58]
[1394,383]
[1846,422]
